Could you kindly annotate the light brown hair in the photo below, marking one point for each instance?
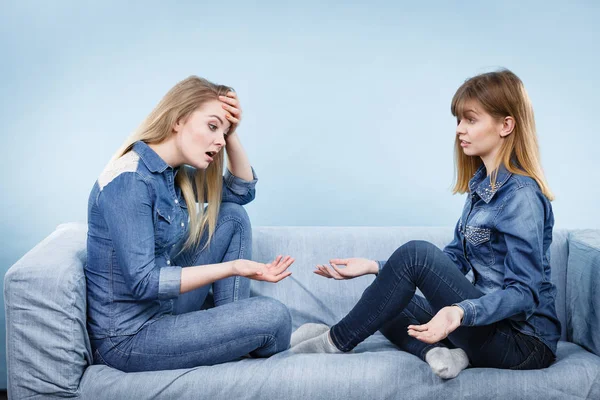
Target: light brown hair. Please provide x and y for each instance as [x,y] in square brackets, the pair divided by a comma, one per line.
[501,94]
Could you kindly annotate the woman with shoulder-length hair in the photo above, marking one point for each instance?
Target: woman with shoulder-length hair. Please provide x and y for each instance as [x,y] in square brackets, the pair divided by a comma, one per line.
[153,255]
[506,317]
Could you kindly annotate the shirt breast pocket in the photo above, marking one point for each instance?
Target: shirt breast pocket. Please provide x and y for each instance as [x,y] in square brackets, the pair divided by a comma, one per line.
[165,230]
[479,239]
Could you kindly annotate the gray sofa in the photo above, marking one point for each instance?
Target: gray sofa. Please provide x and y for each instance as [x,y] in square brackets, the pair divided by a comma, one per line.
[48,350]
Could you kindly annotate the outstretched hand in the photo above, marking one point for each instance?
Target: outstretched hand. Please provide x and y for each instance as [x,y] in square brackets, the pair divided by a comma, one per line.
[439,327]
[352,268]
[274,271]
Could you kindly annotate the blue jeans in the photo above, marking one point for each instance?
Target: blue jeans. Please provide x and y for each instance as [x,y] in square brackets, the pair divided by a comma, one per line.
[191,336]
[389,304]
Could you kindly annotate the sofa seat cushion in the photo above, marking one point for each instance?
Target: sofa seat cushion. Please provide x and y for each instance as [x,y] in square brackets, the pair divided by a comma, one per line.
[376,370]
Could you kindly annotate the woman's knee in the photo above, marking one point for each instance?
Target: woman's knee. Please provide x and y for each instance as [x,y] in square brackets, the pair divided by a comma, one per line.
[274,317]
[412,254]
[233,211]
[271,322]
[278,312]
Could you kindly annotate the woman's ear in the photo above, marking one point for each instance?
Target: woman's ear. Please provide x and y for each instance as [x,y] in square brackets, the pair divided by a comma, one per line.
[177,126]
[508,126]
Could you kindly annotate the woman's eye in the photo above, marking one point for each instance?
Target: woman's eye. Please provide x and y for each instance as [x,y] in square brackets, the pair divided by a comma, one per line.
[471,120]
[212,127]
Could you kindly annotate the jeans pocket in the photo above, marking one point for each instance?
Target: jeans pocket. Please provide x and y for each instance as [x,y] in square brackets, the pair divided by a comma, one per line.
[547,358]
[99,360]
[537,357]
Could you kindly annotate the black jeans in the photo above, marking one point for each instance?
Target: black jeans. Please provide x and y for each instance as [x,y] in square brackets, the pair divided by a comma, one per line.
[389,304]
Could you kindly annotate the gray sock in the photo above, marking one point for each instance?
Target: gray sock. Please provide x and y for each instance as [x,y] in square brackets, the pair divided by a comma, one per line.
[447,363]
[319,344]
[307,331]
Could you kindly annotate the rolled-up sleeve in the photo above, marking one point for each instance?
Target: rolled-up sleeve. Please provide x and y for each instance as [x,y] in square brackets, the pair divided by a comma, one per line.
[522,225]
[127,208]
[238,190]
[169,282]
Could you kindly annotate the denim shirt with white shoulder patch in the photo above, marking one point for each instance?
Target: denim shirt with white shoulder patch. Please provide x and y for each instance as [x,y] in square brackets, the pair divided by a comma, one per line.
[137,220]
[504,236]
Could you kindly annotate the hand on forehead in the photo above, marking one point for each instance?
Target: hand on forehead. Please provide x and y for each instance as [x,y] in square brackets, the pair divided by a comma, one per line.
[214,109]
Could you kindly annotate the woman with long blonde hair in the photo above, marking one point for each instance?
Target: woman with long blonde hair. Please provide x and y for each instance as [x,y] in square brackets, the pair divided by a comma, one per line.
[154,249]
[505,317]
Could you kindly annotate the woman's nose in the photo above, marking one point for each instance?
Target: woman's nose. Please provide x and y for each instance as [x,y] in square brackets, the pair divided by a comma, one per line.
[460,128]
[220,140]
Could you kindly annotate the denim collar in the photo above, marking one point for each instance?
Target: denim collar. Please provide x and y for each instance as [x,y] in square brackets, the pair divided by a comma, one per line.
[481,183]
[152,160]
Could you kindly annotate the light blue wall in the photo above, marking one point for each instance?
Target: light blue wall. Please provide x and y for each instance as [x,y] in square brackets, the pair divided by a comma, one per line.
[346,107]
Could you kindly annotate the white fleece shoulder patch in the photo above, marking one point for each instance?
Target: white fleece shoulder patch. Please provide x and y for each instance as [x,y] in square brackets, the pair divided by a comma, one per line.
[127,163]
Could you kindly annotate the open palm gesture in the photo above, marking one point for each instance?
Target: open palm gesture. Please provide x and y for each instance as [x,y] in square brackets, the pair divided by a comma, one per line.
[271,272]
[347,268]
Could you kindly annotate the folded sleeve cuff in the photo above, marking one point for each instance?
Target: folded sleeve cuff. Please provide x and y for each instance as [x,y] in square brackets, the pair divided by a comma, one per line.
[169,282]
[239,186]
[381,264]
[469,312]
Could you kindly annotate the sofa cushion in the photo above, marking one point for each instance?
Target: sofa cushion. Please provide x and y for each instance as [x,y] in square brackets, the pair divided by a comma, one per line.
[583,289]
[377,370]
[47,342]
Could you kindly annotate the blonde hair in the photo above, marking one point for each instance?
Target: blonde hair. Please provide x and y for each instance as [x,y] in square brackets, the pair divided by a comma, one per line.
[178,104]
[501,94]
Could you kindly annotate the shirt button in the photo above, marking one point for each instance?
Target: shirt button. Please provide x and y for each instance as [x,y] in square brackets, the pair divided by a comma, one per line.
[182,224]
[176,201]
[168,262]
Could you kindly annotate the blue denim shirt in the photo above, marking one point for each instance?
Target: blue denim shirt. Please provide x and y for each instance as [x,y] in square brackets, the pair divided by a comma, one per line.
[504,237]
[137,221]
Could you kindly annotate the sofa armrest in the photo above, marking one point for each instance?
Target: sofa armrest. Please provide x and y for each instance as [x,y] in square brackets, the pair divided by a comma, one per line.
[47,347]
[583,289]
